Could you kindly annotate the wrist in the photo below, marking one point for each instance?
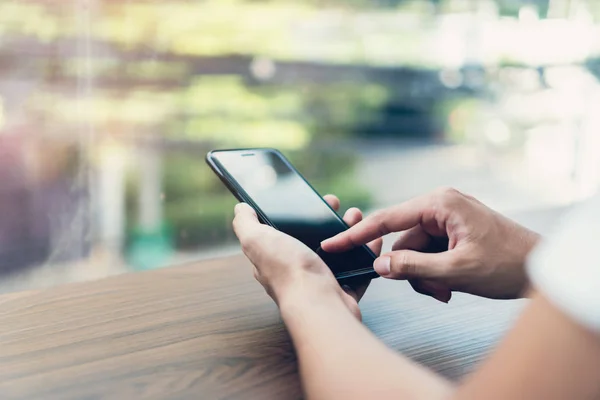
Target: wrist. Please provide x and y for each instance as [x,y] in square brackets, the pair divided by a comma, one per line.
[306,295]
[531,241]
[303,281]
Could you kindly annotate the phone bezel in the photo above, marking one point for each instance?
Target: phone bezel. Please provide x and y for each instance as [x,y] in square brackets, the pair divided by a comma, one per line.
[241,195]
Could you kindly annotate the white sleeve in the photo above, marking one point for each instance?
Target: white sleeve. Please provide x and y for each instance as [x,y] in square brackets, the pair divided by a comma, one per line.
[566,266]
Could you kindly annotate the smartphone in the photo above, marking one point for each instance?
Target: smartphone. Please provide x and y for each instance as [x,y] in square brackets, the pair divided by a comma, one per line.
[283,199]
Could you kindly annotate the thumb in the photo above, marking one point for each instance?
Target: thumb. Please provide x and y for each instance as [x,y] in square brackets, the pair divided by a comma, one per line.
[245,221]
[408,264]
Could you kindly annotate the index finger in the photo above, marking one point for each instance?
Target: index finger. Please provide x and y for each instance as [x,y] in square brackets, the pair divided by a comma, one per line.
[393,219]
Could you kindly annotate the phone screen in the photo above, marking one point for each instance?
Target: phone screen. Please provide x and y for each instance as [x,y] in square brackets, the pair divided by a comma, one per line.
[291,205]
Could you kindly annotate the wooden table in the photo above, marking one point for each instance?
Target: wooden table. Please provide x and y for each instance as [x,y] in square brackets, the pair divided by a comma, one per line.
[208,331]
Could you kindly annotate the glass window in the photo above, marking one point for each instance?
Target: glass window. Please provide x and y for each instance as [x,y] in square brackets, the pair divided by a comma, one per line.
[107,109]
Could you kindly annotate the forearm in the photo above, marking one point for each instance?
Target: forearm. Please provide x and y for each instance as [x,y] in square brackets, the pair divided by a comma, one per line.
[340,358]
[546,356]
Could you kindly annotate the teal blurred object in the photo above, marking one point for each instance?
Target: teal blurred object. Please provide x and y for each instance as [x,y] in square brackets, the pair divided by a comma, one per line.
[150,250]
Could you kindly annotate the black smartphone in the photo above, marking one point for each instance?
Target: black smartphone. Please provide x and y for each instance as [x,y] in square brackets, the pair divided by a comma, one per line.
[282,198]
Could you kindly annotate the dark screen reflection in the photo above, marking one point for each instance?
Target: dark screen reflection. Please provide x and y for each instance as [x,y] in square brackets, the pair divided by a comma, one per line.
[291,205]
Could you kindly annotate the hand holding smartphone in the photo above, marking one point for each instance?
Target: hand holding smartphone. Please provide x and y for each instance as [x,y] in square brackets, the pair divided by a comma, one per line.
[283,199]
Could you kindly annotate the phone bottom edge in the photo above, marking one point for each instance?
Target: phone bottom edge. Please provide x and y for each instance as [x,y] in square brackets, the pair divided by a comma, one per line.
[366,274]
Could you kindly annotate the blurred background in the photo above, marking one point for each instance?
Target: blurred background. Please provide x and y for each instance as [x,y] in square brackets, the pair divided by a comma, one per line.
[108,107]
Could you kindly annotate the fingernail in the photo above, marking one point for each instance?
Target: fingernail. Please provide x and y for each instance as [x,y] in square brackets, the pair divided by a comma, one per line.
[382,265]
[324,242]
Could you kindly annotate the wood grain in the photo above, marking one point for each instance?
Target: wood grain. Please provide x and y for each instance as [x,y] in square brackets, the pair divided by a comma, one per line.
[208,331]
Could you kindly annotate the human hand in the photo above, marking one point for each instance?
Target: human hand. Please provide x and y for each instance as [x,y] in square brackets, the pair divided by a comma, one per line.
[289,271]
[449,242]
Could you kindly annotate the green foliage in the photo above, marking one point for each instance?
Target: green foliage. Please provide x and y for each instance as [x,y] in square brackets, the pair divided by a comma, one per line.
[230,113]
[226,112]
[333,172]
[199,208]
[201,219]
[184,174]
[337,109]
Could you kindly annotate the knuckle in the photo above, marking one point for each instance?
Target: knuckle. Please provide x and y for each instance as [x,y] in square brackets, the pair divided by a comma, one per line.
[235,223]
[380,217]
[404,265]
[453,264]
[447,192]
[249,244]
[447,197]
[239,228]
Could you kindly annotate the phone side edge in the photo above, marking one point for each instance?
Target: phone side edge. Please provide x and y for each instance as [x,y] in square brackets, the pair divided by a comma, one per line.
[238,193]
[367,273]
